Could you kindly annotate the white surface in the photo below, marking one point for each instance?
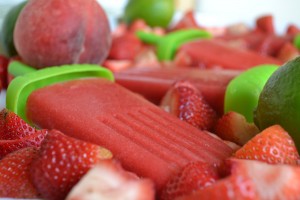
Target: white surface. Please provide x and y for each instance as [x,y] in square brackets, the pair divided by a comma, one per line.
[230,11]
[226,12]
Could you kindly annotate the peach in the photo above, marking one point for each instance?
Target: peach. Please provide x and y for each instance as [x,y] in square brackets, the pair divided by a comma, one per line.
[57,32]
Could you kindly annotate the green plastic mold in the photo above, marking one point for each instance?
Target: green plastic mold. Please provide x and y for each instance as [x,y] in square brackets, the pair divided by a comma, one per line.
[23,85]
[167,45]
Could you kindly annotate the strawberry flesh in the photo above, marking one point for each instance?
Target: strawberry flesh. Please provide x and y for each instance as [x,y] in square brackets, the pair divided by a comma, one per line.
[108,180]
[234,127]
[61,163]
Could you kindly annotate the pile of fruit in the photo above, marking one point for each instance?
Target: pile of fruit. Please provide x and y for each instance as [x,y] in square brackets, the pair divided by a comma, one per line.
[47,164]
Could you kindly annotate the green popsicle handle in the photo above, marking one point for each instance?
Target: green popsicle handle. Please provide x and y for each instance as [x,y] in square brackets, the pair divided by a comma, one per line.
[149,38]
[167,45]
[22,86]
[17,68]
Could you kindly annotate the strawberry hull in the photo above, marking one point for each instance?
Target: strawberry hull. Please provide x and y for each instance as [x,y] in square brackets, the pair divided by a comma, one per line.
[147,140]
[216,54]
[154,83]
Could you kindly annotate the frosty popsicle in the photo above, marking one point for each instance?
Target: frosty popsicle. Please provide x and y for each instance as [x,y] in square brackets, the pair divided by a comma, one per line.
[216,54]
[147,140]
[154,83]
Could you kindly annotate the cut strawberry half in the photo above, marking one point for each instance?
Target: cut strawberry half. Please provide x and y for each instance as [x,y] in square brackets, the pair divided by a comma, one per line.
[33,140]
[250,179]
[108,180]
[273,145]
[193,176]
[61,163]
[14,174]
[287,52]
[266,24]
[188,21]
[13,127]
[234,127]
[117,65]
[186,102]
[125,47]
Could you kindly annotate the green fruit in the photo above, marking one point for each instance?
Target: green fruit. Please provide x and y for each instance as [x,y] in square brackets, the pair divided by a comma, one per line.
[243,91]
[7,30]
[279,101]
[296,41]
[154,12]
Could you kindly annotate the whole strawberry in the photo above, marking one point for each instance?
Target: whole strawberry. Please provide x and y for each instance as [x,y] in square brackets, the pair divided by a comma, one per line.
[61,163]
[186,102]
[15,179]
[273,145]
[192,177]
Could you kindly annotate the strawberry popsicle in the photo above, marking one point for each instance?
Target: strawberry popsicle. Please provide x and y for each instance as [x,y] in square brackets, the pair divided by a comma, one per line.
[154,83]
[216,54]
[146,139]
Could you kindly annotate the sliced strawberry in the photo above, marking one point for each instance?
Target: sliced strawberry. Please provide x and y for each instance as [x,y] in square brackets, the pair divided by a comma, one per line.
[255,180]
[238,29]
[147,59]
[13,127]
[266,24]
[287,52]
[186,102]
[273,145]
[187,21]
[61,162]
[14,174]
[117,65]
[234,127]
[183,59]
[193,176]
[33,140]
[108,180]
[292,29]
[125,47]
[139,25]
[270,45]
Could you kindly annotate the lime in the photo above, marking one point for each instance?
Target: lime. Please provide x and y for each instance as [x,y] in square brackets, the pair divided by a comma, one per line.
[7,30]
[279,101]
[154,12]
[243,91]
[296,41]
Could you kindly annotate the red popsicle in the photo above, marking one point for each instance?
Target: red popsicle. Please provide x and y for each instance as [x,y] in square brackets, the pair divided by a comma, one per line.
[216,54]
[154,83]
[146,139]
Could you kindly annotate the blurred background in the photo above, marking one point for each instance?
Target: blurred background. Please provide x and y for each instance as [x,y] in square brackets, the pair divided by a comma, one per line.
[226,12]
[211,12]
